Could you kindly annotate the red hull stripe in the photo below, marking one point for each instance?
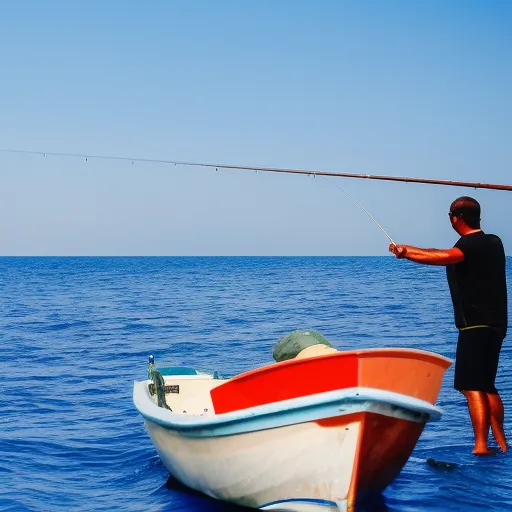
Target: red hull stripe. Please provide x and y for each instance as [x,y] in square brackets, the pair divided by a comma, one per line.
[284,381]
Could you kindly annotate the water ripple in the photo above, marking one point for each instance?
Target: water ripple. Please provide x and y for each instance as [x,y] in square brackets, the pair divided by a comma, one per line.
[76,332]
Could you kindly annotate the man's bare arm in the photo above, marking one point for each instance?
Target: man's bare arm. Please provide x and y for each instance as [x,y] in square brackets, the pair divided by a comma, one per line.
[427,256]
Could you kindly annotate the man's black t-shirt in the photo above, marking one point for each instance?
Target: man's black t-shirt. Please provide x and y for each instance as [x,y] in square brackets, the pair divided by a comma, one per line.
[478,283]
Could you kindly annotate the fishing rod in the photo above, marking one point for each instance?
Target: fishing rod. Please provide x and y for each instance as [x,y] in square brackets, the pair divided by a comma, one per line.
[306,172]
[277,170]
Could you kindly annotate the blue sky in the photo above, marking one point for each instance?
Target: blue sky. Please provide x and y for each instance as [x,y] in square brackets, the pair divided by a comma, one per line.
[419,89]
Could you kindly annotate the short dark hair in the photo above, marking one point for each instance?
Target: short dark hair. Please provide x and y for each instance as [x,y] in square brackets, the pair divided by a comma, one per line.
[468,209]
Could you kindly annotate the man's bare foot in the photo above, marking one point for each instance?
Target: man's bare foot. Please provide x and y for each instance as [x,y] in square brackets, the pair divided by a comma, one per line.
[485,451]
[499,437]
[503,447]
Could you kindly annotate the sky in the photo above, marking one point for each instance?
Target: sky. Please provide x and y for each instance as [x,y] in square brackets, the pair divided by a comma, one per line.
[420,89]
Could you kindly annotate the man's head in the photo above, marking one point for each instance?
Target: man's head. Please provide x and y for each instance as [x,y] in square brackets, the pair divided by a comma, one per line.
[467,210]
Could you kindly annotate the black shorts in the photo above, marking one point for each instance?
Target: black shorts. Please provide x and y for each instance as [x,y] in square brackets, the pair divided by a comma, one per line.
[476,362]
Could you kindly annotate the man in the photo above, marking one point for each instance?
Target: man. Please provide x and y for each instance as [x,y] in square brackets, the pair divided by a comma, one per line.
[475,269]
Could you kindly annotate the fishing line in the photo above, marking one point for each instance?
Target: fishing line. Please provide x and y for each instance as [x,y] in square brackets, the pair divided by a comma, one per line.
[216,166]
[367,213]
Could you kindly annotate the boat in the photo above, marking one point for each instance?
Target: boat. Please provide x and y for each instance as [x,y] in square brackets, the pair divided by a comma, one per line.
[308,434]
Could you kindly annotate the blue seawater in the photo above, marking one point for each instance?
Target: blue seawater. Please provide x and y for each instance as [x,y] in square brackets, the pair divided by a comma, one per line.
[76,332]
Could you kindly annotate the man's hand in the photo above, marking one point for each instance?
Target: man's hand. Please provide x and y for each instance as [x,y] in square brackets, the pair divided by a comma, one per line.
[427,256]
[398,250]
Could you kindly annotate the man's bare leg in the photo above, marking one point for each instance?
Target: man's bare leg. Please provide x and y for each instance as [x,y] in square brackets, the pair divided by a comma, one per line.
[497,417]
[480,414]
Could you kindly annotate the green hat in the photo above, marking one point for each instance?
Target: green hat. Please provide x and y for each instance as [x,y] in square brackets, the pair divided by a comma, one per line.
[291,344]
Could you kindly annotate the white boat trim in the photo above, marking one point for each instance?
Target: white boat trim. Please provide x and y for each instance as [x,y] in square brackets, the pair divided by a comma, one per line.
[286,412]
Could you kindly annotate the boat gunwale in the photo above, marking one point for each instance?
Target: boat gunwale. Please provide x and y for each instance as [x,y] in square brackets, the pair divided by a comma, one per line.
[400,353]
[286,412]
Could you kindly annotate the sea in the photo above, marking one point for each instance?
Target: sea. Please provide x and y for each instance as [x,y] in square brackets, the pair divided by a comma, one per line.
[76,332]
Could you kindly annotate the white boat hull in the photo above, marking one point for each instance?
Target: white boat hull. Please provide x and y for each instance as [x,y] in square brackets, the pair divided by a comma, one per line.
[260,468]
[297,436]
[299,455]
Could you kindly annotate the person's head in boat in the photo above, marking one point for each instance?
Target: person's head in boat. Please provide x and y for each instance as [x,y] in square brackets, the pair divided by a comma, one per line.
[300,344]
[465,213]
